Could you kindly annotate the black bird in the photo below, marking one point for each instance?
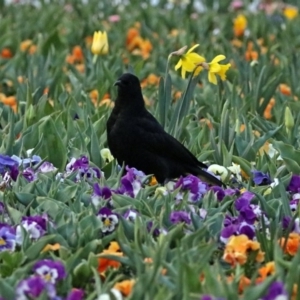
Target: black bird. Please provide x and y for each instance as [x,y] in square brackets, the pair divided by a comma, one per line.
[136,138]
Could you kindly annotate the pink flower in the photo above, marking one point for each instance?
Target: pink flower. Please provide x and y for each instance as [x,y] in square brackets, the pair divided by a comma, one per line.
[114,18]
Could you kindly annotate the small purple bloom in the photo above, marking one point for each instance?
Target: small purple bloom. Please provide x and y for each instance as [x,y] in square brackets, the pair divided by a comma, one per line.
[46,167]
[27,162]
[288,222]
[130,215]
[75,294]
[2,208]
[276,291]
[179,217]
[100,193]
[10,165]
[50,270]
[35,226]
[109,220]
[194,185]
[33,287]
[261,178]
[29,175]
[155,231]
[294,205]
[131,183]
[209,297]
[81,165]
[219,192]
[7,238]
[294,185]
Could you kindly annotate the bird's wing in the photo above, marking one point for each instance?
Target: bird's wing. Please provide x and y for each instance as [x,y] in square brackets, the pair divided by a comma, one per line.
[153,137]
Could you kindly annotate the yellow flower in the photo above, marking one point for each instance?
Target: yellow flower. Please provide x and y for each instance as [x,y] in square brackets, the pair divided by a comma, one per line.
[100,43]
[189,61]
[106,155]
[290,12]
[216,69]
[239,25]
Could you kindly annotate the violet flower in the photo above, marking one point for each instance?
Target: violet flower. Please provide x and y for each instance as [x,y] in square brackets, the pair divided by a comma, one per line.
[180,217]
[81,166]
[75,294]
[130,215]
[33,287]
[276,291]
[294,185]
[100,193]
[46,167]
[193,185]
[209,297]
[9,165]
[27,162]
[131,182]
[29,175]
[50,270]
[155,230]
[7,238]
[35,226]
[261,178]
[219,192]
[109,220]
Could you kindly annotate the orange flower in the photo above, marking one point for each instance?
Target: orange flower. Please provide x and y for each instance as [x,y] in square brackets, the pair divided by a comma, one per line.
[285,89]
[244,283]
[28,46]
[136,44]
[265,271]
[6,53]
[10,101]
[238,248]
[152,79]
[250,53]
[268,110]
[207,122]
[153,181]
[104,263]
[125,286]
[50,247]
[76,56]
[292,243]
[239,25]
[94,95]
[237,43]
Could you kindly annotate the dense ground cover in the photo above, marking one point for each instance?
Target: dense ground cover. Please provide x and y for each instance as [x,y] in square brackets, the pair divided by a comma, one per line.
[72,226]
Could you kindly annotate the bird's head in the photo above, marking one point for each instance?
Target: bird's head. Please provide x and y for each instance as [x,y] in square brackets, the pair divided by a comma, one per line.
[129,90]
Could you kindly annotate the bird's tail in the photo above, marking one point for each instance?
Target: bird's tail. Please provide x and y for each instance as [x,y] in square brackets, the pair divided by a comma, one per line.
[209,178]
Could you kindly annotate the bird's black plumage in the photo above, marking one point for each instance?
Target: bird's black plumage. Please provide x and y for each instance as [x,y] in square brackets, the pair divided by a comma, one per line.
[136,138]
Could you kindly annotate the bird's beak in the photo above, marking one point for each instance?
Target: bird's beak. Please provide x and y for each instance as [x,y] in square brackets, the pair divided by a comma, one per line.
[118,83]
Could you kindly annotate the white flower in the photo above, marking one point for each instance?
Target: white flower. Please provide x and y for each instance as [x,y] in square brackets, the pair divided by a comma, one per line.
[106,155]
[218,170]
[161,191]
[108,296]
[236,170]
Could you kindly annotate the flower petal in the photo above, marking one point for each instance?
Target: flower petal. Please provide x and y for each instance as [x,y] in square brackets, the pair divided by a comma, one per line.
[191,49]
[178,65]
[212,78]
[218,58]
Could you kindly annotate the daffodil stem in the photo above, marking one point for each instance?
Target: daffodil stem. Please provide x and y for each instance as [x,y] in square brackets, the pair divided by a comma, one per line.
[95,58]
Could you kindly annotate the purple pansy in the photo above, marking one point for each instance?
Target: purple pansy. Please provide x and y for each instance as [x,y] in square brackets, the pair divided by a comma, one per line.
[219,192]
[81,165]
[75,294]
[35,226]
[276,291]
[294,185]
[33,287]
[27,162]
[8,165]
[261,178]
[7,238]
[29,174]
[50,270]
[100,193]
[109,220]
[294,205]
[46,167]
[131,182]
[194,185]
[236,226]
[287,222]
[180,217]
[209,297]
[155,230]
[130,214]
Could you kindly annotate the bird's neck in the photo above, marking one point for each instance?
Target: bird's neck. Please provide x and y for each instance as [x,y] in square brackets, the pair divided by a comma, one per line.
[133,105]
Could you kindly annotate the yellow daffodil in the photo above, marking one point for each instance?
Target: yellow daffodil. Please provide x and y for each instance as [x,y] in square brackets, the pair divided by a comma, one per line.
[216,69]
[290,12]
[100,43]
[189,61]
